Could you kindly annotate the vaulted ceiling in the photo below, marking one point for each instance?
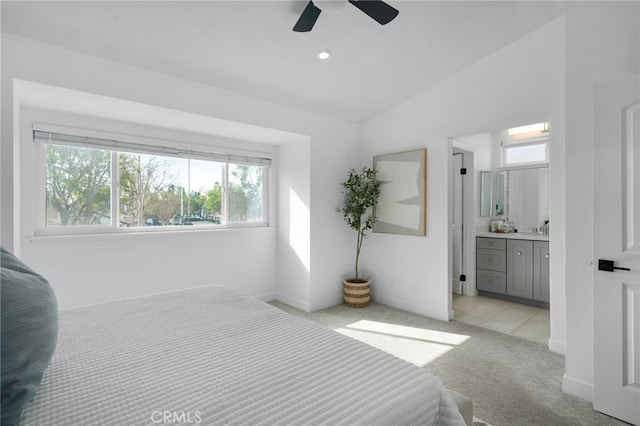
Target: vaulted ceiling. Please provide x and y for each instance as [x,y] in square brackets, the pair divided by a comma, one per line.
[249,47]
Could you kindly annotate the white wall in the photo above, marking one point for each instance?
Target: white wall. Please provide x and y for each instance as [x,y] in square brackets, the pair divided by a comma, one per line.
[334,147]
[602,44]
[518,84]
[331,251]
[294,256]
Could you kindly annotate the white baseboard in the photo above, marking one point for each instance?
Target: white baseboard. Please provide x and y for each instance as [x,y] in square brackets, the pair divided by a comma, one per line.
[296,303]
[577,388]
[327,303]
[416,309]
[266,297]
[557,346]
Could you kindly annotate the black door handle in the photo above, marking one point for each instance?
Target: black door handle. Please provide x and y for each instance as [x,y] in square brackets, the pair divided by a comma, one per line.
[607,265]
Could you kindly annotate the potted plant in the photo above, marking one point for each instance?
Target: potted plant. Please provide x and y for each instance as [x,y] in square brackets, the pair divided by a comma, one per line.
[361,191]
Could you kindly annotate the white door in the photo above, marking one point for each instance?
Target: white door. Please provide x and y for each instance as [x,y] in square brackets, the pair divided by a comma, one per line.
[457,226]
[616,380]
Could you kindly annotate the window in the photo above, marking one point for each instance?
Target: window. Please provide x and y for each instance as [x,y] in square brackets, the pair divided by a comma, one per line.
[92,183]
[526,146]
[245,193]
[525,153]
[78,186]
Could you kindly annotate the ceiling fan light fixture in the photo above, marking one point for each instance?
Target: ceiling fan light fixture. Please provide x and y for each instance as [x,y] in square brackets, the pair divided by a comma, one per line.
[324,54]
[375,9]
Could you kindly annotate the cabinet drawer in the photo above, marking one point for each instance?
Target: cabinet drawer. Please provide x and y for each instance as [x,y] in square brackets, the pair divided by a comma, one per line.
[493,260]
[495,282]
[491,243]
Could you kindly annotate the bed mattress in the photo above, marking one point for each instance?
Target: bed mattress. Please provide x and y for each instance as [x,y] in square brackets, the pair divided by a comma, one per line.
[212,356]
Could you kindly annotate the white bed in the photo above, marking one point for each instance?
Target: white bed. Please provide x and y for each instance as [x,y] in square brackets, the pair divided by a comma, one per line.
[212,356]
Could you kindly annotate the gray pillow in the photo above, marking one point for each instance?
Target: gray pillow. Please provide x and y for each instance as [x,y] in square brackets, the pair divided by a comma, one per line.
[29,327]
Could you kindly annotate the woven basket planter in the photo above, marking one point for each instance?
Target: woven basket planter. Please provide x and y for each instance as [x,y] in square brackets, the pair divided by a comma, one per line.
[357,293]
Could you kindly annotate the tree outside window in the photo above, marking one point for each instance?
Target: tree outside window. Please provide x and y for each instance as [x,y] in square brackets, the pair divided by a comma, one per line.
[152,190]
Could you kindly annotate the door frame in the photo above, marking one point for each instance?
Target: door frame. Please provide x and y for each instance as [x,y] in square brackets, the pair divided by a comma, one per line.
[468,265]
[458,224]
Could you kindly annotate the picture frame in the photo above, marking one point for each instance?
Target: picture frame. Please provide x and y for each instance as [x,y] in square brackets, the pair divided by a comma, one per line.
[402,206]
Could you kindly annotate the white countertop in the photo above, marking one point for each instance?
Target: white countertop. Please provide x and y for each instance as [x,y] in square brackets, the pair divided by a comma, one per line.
[514,235]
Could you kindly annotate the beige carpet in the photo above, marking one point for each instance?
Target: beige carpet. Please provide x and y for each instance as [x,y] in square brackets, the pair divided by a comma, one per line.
[511,381]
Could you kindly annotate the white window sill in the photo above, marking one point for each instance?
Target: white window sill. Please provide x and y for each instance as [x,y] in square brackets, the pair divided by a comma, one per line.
[142,233]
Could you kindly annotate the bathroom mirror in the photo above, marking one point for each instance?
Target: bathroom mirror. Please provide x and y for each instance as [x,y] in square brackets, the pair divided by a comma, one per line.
[486,193]
[500,194]
[492,193]
[527,192]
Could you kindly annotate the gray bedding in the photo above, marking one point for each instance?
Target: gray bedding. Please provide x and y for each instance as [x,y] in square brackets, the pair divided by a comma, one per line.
[212,356]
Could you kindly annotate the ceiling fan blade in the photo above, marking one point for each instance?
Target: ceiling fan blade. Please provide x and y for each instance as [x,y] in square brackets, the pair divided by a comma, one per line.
[307,19]
[376,9]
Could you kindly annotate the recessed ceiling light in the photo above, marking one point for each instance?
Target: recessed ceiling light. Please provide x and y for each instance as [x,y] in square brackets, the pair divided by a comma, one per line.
[324,54]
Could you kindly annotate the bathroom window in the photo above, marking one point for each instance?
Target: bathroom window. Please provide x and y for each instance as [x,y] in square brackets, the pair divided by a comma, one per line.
[528,153]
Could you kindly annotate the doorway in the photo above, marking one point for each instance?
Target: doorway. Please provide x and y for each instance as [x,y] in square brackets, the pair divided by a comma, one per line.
[478,153]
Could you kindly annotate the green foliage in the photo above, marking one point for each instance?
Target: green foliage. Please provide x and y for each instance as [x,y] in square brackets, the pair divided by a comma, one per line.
[361,191]
[78,185]
[79,190]
[146,189]
[245,193]
[213,202]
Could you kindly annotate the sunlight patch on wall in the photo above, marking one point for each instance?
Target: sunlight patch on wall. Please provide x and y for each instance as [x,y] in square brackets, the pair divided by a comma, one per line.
[300,229]
[415,345]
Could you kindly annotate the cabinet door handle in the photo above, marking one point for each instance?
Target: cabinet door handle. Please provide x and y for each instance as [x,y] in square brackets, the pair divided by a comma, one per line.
[546,256]
[519,253]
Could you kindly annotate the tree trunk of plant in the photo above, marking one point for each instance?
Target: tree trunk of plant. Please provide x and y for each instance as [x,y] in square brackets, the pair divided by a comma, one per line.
[358,247]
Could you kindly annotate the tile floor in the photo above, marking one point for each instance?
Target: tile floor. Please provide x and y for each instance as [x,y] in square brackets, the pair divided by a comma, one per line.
[527,322]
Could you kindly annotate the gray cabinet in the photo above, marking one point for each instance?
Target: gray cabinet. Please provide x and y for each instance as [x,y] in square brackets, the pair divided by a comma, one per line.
[495,282]
[520,268]
[491,265]
[492,260]
[513,269]
[541,271]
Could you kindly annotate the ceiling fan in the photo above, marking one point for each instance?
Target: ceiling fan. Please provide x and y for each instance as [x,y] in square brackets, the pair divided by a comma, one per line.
[376,9]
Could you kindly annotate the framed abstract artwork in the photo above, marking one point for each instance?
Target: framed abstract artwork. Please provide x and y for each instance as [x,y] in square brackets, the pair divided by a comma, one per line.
[402,206]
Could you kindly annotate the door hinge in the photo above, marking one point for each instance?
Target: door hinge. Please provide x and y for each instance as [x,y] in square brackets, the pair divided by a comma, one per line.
[463,277]
[463,171]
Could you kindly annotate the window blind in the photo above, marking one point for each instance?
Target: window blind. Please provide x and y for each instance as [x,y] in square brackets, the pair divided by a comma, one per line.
[45,137]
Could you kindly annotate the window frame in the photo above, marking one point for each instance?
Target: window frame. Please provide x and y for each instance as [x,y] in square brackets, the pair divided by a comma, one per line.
[222,155]
[504,146]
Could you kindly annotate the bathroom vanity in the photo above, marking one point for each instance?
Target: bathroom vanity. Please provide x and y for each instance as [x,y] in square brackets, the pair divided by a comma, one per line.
[513,266]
